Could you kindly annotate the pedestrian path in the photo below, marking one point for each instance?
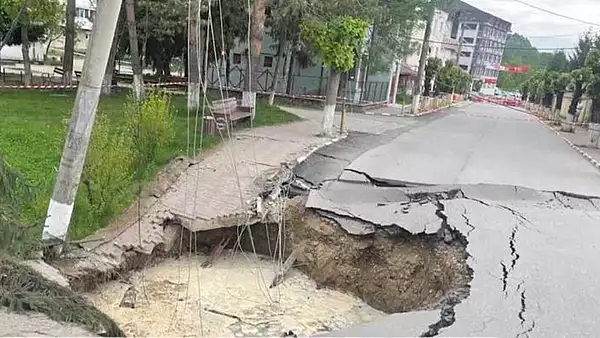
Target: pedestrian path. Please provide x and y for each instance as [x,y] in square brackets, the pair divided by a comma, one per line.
[211,191]
[580,138]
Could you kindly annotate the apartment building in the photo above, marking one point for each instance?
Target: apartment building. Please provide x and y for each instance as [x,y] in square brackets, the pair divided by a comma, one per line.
[482,38]
[441,44]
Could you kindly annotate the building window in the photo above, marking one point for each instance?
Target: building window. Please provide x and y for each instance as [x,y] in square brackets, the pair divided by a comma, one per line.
[470,26]
[465,54]
[237,58]
[87,13]
[468,40]
[464,67]
[268,62]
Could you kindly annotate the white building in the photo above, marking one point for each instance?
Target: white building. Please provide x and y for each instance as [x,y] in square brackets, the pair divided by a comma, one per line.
[441,45]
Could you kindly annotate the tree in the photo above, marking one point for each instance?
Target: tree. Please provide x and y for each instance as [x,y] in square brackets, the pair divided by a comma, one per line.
[560,81]
[519,51]
[69,42]
[592,63]
[337,41]
[165,32]
[34,18]
[136,64]
[432,68]
[452,79]
[558,62]
[576,65]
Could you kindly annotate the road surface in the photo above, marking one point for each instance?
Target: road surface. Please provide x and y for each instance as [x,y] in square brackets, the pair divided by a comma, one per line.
[525,202]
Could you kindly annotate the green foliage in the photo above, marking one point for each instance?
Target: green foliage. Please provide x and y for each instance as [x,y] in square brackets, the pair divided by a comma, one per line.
[519,51]
[336,40]
[40,17]
[432,68]
[150,124]
[107,172]
[452,78]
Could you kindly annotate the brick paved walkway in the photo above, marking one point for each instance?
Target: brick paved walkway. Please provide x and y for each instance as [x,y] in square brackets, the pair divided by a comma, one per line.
[201,195]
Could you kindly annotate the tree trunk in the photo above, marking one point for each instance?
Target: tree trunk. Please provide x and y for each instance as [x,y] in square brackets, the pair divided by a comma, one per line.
[110,65]
[290,75]
[136,65]
[280,51]
[257,31]
[333,82]
[69,43]
[25,52]
[193,94]
[576,96]
[422,62]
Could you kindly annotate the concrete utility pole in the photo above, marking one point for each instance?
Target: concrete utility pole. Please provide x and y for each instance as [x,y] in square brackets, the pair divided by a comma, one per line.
[60,208]
[460,43]
[69,43]
[422,61]
[136,64]
[194,62]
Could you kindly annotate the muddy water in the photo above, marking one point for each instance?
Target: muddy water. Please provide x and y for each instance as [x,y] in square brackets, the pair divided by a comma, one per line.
[231,298]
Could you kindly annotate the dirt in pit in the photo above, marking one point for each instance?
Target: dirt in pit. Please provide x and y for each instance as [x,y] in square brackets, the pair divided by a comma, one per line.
[392,273]
[179,297]
[339,280]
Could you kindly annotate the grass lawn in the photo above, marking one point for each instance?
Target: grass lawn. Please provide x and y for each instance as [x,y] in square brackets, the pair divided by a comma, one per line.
[33,125]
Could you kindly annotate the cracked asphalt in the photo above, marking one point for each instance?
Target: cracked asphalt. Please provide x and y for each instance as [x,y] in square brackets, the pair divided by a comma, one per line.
[527,205]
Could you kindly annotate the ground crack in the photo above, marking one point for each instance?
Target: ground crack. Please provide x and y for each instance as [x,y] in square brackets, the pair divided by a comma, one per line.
[468,222]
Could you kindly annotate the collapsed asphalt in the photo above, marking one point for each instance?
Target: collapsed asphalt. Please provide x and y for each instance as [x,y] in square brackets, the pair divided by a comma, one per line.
[522,199]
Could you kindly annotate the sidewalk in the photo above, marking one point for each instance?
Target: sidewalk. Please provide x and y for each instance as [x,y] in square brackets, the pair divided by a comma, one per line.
[580,139]
[210,193]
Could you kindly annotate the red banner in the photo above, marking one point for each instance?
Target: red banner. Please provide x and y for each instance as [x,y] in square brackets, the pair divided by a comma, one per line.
[515,69]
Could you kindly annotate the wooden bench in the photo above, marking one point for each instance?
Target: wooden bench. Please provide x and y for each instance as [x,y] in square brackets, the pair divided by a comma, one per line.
[47,78]
[225,114]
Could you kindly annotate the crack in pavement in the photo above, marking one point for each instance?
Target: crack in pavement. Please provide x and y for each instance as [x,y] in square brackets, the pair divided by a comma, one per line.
[513,249]
[467,222]
[521,316]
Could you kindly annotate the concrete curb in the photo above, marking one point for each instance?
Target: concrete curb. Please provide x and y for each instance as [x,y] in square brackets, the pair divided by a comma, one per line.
[303,158]
[594,162]
[371,113]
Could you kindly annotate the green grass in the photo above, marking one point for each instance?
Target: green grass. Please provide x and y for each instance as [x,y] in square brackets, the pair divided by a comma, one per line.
[32,132]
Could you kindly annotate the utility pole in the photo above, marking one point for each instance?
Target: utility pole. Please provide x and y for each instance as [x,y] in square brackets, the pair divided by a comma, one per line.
[136,64]
[460,43]
[193,98]
[69,43]
[422,61]
[60,207]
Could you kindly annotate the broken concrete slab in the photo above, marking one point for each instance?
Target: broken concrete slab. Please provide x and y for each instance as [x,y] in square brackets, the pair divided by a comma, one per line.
[31,324]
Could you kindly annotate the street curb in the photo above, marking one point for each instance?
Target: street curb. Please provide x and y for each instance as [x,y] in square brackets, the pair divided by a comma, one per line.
[371,113]
[585,155]
[303,158]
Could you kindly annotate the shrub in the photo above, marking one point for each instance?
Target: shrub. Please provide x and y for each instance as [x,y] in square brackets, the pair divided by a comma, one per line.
[106,177]
[150,124]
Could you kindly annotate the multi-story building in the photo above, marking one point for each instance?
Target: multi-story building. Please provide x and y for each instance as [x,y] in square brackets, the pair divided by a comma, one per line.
[441,45]
[482,37]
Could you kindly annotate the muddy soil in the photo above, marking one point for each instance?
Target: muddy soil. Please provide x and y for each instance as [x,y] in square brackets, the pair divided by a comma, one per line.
[392,272]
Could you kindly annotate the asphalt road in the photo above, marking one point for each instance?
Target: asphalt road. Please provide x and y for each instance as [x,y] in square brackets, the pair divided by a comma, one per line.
[482,143]
[512,188]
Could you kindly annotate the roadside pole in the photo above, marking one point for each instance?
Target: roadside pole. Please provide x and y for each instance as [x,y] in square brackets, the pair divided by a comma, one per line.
[60,207]
[422,61]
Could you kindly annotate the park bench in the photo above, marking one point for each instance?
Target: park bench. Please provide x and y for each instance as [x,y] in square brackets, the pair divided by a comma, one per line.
[48,78]
[225,114]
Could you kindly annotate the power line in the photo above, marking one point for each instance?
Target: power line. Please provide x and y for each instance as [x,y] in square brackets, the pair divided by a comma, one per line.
[498,47]
[557,14]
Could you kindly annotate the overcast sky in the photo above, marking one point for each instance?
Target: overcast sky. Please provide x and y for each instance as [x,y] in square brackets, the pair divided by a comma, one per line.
[538,25]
